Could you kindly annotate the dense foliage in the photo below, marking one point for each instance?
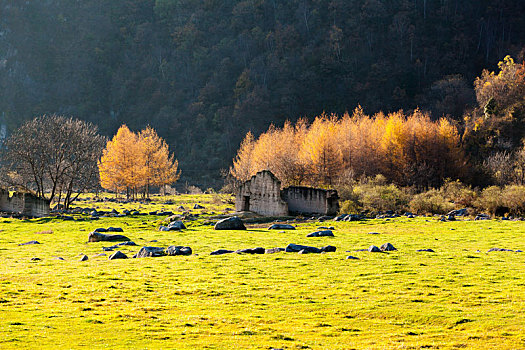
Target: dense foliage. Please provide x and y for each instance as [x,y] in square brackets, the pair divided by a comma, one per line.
[136,162]
[408,150]
[204,73]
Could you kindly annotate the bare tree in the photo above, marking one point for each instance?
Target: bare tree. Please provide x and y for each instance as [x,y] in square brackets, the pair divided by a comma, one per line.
[53,155]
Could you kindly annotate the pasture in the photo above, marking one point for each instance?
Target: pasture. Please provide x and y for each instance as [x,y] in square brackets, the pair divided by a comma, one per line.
[459,296]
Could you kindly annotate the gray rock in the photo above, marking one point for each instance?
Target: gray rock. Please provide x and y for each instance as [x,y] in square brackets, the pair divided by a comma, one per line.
[303,251]
[163,228]
[146,252]
[176,226]
[101,237]
[374,249]
[29,243]
[500,250]
[328,249]
[387,247]
[108,249]
[178,250]
[84,258]
[233,223]
[221,251]
[295,248]
[198,206]
[325,228]
[350,257]
[458,212]
[425,250]
[281,227]
[35,259]
[373,233]
[257,250]
[115,229]
[130,243]
[274,250]
[101,229]
[118,255]
[324,233]
[59,258]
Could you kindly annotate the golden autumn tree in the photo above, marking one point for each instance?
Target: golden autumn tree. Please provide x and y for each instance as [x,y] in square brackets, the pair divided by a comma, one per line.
[320,151]
[159,166]
[119,166]
[134,162]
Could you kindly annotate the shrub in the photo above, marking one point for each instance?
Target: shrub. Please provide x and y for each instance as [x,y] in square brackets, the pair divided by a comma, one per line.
[350,207]
[458,193]
[490,200]
[431,202]
[513,198]
[382,197]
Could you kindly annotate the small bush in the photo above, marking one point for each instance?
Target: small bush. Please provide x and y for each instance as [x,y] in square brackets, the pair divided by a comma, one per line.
[350,207]
[459,193]
[430,202]
[513,198]
[490,200]
[382,197]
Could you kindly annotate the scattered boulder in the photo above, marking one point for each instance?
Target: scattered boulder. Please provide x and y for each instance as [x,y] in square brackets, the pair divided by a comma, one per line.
[198,206]
[499,250]
[425,250]
[326,228]
[324,233]
[163,228]
[221,251]
[304,249]
[118,255]
[281,227]
[84,258]
[451,218]
[115,229]
[59,258]
[374,249]
[101,229]
[101,237]
[146,252]
[274,250]
[373,233]
[178,250]
[350,257]
[29,243]
[328,249]
[257,250]
[35,259]
[296,248]
[387,247]
[233,223]
[482,217]
[458,212]
[176,225]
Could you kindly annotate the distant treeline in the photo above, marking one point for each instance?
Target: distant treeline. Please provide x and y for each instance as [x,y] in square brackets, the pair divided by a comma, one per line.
[204,73]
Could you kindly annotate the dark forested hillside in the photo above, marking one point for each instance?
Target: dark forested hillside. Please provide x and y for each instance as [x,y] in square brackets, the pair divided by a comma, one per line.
[204,72]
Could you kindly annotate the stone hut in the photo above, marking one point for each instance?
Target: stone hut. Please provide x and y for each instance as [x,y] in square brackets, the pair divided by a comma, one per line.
[23,203]
[262,194]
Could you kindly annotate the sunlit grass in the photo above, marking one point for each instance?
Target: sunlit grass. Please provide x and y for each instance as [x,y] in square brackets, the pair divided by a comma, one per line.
[453,298]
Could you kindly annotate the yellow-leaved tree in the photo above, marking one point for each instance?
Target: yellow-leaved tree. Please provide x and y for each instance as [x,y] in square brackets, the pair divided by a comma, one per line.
[135,162]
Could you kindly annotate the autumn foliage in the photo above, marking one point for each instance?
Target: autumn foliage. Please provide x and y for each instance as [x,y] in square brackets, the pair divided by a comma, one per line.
[406,149]
[135,162]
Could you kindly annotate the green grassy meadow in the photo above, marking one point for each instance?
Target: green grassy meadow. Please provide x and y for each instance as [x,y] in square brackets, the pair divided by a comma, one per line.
[453,298]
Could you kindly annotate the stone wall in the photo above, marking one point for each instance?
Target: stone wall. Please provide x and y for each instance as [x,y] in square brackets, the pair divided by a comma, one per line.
[306,200]
[262,195]
[23,203]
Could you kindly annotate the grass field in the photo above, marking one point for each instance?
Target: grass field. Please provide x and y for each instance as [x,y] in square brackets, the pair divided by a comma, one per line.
[458,297]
